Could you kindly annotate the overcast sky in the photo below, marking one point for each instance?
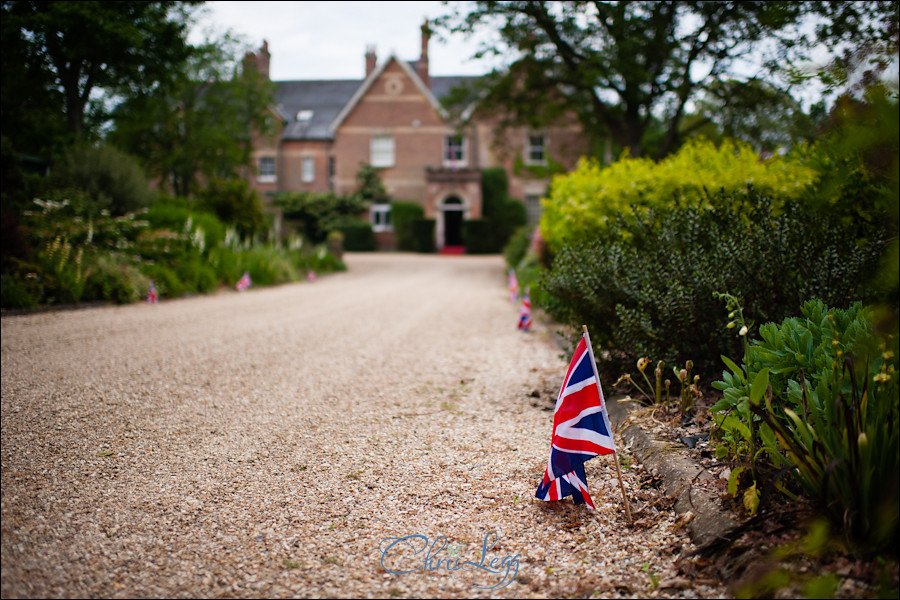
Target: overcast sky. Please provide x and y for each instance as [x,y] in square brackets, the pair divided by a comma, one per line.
[328,40]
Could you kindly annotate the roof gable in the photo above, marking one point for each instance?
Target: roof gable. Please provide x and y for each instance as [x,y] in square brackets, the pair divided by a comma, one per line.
[370,80]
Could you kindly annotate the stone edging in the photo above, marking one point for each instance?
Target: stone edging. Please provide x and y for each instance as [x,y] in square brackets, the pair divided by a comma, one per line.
[683,479]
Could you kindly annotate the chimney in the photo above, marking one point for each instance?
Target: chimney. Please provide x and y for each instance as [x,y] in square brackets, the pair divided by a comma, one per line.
[262,59]
[371,59]
[422,63]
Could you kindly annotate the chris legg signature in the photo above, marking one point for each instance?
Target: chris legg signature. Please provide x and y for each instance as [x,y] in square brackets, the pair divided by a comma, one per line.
[395,560]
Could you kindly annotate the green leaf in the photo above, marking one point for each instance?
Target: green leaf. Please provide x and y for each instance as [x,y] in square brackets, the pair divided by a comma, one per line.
[751,499]
[760,383]
[734,479]
[734,368]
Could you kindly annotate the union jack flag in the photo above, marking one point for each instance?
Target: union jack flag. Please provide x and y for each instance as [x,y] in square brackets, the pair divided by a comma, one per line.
[244,282]
[513,286]
[581,430]
[311,275]
[525,314]
[152,298]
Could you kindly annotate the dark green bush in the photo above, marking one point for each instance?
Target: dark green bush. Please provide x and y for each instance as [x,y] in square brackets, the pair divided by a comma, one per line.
[423,235]
[645,286]
[235,203]
[478,237]
[518,245]
[503,214]
[403,214]
[318,213]
[109,178]
[183,216]
[358,235]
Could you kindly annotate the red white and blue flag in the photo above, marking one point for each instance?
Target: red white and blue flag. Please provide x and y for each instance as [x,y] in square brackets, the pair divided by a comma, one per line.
[513,287]
[581,430]
[311,275]
[525,313]
[244,282]
[152,298]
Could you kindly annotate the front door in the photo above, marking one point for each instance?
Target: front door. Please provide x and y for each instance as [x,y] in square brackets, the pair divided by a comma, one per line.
[453,219]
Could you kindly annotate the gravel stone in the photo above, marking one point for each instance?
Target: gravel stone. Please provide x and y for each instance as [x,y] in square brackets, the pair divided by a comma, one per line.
[273,442]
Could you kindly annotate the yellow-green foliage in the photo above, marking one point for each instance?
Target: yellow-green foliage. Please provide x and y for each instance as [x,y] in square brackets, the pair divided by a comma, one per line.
[582,201]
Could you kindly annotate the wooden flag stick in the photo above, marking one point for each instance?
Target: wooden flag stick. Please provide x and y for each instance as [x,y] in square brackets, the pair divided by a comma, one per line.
[587,339]
[622,486]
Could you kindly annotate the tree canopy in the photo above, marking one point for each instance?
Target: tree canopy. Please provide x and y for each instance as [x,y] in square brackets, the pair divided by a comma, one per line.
[198,125]
[631,70]
[67,52]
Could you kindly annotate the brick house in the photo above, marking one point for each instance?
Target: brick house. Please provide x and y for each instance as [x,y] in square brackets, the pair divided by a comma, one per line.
[393,120]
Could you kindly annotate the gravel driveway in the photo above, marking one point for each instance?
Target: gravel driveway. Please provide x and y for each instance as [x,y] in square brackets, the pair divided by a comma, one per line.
[279,442]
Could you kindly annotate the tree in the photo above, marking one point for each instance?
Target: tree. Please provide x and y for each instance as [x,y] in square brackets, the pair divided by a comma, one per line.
[69,53]
[627,68]
[197,126]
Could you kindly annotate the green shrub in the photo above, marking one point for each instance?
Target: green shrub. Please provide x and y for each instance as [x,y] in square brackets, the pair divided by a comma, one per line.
[518,245]
[831,419]
[423,235]
[235,203]
[503,214]
[115,277]
[181,215]
[358,235]
[403,214]
[645,287]
[318,213]
[581,202]
[18,293]
[109,179]
[478,237]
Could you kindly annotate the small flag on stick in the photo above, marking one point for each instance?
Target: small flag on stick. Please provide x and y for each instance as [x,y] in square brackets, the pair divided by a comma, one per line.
[581,431]
[152,298]
[311,275]
[244,282]
[513,286]
[525,314]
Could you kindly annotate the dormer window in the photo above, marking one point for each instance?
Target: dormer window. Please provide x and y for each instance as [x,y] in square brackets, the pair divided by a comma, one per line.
[305,115]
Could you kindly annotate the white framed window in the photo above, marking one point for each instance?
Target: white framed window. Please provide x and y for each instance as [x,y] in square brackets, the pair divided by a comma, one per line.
[381,151]
[381,217]
[266,166]
[533,209]
[308,169]
[305,115]
[536,152]
[455,151]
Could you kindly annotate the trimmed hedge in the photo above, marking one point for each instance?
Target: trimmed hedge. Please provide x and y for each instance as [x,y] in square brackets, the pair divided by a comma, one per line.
[358,235]
[423,235]
[403,214]
[645,285]
[478,237]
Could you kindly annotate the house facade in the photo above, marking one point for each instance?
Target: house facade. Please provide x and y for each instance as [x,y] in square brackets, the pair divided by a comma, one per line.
[393,120]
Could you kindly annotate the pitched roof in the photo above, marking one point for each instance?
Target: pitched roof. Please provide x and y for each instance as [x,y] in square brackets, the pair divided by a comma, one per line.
[330,100]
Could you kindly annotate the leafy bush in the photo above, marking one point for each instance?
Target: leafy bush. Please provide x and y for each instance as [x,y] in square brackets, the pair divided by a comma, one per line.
[115,277]
[502,214]
[358,235]
[423,235]
[318,213]
[831,418]
[518,245]
[646,285]
[108,179]
[235,203]
[581,202]
[478,236]
[181,215]
[403,214]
